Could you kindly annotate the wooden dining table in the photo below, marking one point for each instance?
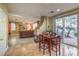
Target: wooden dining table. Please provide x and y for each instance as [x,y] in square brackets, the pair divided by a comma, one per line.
[50,40]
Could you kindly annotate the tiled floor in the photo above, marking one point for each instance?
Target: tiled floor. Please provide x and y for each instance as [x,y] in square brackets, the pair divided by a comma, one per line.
[24,47]
[27,47]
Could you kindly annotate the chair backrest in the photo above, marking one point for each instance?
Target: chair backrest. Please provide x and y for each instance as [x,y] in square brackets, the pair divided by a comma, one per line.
[53,34]
[58,39]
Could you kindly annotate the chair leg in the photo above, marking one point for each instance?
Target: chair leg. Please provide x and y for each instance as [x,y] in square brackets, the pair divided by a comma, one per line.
[39,46]
[44,48]
[56,49]
[59,50]
[49,49]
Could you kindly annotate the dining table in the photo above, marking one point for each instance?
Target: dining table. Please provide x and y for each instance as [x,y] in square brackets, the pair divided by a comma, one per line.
[52,41]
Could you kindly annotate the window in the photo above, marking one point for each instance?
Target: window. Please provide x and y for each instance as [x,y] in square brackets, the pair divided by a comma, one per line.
[13,27]
[34,26]
[70,33]
[59,26]
[67,27]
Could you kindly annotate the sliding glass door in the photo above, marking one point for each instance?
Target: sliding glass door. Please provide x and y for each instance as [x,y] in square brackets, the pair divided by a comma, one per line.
[67,28]
[70,30]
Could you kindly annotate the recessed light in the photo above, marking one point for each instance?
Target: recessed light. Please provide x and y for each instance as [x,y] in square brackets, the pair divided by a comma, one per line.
[51,11]
[58,9]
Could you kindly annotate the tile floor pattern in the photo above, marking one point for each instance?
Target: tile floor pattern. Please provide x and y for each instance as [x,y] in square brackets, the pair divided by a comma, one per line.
[27,47]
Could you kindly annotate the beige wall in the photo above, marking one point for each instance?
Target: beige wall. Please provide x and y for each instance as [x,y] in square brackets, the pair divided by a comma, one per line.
[43,26]
[47,22]
[3,29]
[22,27]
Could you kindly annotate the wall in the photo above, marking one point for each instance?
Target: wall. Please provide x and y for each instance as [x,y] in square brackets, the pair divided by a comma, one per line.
[19,27]
[3,29]
[26,26]
[47,22]
[43,26]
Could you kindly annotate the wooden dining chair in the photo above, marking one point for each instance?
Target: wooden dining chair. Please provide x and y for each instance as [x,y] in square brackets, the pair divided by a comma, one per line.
[44,40]
[56,43]
[40,41]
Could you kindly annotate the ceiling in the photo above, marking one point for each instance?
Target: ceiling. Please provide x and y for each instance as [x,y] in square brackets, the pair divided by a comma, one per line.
[35,10]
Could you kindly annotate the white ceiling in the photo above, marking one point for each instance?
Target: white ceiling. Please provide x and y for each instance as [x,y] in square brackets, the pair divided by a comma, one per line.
[35,10]
[18,18]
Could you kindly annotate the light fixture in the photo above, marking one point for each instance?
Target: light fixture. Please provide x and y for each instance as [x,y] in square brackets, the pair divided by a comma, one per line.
[51,11]
[58,10]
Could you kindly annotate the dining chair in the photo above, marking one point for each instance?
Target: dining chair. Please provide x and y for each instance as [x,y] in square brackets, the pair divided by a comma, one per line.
[56,43]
